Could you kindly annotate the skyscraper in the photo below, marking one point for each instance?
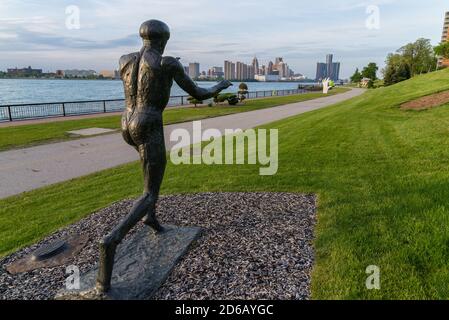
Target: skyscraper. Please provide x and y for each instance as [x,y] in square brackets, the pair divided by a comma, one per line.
[444,38]
[243,71]
[445,35]
[321,71]
[229,70]
[239,70]
[251,72]
[329,65]
[194,70]
[329,69]
[270,68]
[255,65]
[283,69]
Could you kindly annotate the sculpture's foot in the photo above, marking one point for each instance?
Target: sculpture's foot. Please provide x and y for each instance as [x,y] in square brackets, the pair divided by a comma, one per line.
[101,288]
[151,221]
[107,253]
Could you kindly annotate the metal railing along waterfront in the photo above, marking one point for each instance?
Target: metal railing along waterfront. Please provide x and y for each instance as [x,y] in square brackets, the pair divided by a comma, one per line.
[13,112]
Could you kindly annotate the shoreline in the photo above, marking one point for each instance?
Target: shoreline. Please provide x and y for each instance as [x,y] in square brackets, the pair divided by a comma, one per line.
[218,80]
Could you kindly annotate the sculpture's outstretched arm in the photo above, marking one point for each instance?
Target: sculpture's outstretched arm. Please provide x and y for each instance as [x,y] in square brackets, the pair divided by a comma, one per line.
[187,84]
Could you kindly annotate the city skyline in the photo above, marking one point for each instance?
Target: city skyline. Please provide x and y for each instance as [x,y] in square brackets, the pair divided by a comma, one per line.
[34,33]
[229,70]
[329,69]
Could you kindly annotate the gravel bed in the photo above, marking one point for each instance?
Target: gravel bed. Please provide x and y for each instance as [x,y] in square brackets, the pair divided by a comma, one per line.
[254,246]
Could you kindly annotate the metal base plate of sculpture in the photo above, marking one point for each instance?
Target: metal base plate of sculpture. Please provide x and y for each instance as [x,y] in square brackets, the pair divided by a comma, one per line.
[147,79]
[141,265]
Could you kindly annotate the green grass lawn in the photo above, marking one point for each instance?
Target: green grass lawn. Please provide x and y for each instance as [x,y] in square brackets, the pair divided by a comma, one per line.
[381,176]
[21,136]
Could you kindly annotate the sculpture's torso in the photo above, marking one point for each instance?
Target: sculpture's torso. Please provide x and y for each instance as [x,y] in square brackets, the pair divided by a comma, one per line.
[147,79]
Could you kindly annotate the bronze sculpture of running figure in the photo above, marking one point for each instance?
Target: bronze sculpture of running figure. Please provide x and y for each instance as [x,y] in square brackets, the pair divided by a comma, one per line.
[147,78]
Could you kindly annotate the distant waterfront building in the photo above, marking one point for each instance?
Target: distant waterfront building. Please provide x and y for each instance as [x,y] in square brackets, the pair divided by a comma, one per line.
[278,60]
[444,38]
[283,70]
[321,71]
[24,72]
[255,65]
[215,72]
[194,70]
[75,73]
[59,73]
[267,77]
[229,70]
[329,69]
[298,77]
[240,70]
[251,72]
[244,71]
[111,74]
[269,68]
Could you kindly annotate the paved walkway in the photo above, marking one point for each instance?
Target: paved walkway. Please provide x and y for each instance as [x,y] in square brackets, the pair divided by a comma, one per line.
[31,168]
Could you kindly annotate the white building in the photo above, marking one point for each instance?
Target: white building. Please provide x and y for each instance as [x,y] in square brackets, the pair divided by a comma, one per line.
[267,77]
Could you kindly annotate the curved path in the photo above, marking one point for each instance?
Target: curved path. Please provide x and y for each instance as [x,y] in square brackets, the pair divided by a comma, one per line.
[31,168]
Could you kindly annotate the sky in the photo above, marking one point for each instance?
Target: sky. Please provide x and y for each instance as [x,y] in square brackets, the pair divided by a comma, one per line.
[46,34]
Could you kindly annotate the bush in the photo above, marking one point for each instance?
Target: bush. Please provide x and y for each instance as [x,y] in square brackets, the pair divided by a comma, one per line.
[233,100]
[313,88]
[222,97]
[194,101]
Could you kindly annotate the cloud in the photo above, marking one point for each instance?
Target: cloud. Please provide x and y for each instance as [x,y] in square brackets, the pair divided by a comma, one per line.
[31,40]
[211,31]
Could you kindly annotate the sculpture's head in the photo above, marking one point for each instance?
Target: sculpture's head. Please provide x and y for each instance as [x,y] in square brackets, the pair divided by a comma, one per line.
[155,34]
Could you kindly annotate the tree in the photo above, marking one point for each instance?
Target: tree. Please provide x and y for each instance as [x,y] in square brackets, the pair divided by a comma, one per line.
[370,71]
[356,77]
[442,50]
[243,86]
[419,56]
[396,69]
[414,58]
[243,91]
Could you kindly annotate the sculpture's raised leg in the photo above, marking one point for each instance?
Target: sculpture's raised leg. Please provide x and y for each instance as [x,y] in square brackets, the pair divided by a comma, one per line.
[109,244]
[153,169]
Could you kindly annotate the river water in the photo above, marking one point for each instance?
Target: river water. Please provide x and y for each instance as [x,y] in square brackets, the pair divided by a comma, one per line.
[16,91]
